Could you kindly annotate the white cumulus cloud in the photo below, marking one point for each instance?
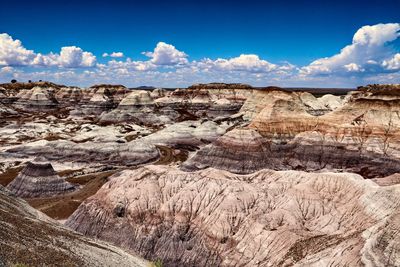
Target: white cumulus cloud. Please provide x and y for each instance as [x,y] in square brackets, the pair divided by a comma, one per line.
[368,46]
[72,57]
[12,53]
[249,63]
[393,63]
[166,54]
[353,67]
[369,58]
[114,54]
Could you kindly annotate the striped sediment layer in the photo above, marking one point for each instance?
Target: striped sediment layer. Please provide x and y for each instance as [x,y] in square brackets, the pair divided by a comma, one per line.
[239,151]
[39,179]
[269,218]
[245,151]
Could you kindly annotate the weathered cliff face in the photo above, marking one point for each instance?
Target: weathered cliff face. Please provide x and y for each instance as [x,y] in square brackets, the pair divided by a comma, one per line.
[38,179]
[31,238]
[360,136]
[269,218]
[246,151]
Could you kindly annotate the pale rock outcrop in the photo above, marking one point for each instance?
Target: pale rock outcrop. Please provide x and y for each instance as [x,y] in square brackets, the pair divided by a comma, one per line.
[261,98]
[37,99]
[6,111]
[109,153]
[106,134]
[331,102]
[187,133]
[138,106]
[269,218]
[266,98]
[158,92]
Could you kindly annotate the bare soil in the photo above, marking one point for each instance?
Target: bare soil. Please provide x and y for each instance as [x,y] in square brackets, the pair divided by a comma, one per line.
[61,207]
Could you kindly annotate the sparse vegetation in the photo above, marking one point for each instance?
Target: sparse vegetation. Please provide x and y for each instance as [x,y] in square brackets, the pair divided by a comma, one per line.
[220,86]
[381,89]
[156,263]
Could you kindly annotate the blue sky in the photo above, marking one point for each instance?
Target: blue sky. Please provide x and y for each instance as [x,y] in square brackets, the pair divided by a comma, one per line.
[201,41]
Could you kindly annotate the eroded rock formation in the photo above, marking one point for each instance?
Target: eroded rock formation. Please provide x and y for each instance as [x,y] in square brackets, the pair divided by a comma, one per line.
[28,237]
[215,218]
[36,99]
[239,151]
[244,176]
[38,179]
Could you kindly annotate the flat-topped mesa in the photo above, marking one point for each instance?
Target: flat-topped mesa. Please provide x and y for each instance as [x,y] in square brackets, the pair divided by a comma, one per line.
[265,219]
[137,106]
[235,92]
[220,86]
[117,91]
[240,151]
[16,87]
[97,100]
[39,179]
[289,114]
[380,89]
[37,99]
[199,103]
[136,98]
[108,86]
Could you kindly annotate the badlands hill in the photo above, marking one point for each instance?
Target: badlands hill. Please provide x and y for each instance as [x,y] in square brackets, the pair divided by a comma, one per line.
[31,238]
[268,218]
[210,175]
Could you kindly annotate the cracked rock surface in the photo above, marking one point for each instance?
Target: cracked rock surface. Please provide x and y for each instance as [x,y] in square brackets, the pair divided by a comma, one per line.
[269,218]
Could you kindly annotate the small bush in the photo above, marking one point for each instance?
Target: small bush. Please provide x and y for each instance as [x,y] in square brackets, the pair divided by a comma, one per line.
[156,263]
